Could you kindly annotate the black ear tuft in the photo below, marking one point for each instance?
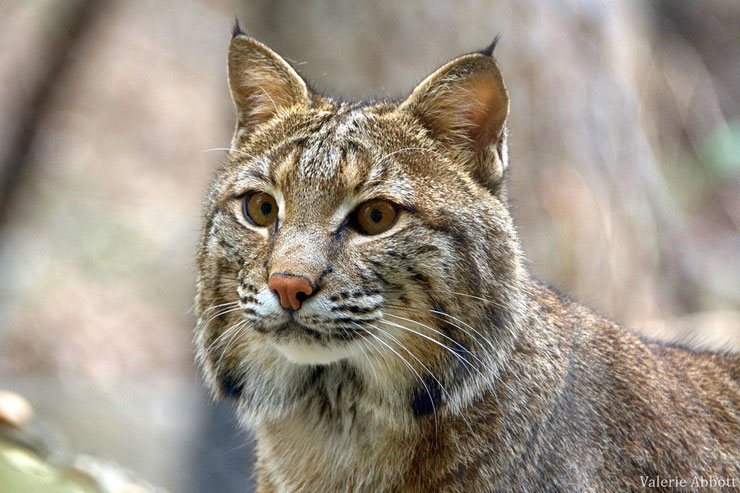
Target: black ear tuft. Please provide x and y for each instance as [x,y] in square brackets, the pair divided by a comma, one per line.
[237,29]
[488,51]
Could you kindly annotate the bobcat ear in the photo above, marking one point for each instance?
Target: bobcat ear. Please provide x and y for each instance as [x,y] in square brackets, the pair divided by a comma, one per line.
[262,83]
[464,104]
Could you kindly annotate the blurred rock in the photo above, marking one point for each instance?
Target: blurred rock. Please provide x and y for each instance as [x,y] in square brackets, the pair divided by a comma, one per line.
[14,409]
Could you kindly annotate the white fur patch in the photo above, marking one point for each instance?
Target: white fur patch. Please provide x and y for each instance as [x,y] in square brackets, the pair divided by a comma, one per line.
[311,354]
[356,117]
[268,307]
[342,212]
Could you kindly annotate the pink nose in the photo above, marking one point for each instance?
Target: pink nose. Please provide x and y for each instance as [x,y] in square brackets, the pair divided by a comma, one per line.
[291,289]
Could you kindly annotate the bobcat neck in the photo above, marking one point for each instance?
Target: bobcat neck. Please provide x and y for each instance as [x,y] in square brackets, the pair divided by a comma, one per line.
[363,438]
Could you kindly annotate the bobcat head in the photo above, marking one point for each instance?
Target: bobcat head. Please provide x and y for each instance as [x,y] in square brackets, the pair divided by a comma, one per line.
[364,244]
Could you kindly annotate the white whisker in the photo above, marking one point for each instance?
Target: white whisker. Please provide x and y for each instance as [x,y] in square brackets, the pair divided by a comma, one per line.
[241,326]
[219,306]
[222,335]
[458,356]
[449,397]
[219,314]
[227,149]
[482,341]
[364,354]
[421,380]
[404,150]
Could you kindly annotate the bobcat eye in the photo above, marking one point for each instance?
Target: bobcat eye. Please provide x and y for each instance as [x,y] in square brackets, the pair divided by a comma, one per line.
[260,209]
[375,216]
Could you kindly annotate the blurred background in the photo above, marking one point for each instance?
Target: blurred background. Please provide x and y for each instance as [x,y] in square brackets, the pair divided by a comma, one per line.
[625,183]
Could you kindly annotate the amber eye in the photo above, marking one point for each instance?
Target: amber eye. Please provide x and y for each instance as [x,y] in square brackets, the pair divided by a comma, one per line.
[375,216]
[260,209]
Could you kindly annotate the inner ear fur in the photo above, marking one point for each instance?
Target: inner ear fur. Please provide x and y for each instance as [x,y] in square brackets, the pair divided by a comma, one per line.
[464,105]
[262,83]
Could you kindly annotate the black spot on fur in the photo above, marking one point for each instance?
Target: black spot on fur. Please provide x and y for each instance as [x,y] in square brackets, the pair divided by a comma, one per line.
[352,309]
[353,146]
[316,374]
[390,285]
[499,317]
[257,175]
[421,278]
[457,338]
[448,330]
[232,249]
[458,347]
[425,249]
[395,254]
[328,270]
[454,232]
[426,399]
[341,229]
[209,223]
[232,386]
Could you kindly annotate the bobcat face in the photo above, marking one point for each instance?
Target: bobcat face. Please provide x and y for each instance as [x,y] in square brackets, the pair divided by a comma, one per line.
[319,175]
[365,238]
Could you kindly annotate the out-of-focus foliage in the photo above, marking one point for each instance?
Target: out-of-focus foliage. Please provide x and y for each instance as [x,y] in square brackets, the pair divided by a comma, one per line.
[22,471]
[625,177]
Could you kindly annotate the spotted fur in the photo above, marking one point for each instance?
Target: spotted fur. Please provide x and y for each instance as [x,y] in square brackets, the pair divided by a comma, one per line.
[426,358]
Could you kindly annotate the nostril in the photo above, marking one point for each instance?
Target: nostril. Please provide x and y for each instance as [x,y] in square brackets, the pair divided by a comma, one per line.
[301,296]
[281,295]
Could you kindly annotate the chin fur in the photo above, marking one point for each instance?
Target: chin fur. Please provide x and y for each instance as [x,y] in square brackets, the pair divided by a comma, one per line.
[311,354]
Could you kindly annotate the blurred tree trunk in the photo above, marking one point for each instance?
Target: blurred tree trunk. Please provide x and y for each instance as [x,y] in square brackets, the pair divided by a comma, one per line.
[69,21]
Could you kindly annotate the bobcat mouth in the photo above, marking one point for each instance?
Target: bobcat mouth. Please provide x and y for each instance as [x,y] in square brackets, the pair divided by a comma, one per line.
[306,345]
[294,331]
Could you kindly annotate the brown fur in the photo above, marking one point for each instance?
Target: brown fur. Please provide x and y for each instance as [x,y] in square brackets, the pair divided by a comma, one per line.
[426,358]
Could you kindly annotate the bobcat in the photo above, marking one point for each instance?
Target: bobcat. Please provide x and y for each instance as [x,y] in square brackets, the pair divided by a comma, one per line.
[363,299]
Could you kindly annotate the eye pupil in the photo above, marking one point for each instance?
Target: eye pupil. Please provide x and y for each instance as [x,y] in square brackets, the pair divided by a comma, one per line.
[266,208]
[376,215]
